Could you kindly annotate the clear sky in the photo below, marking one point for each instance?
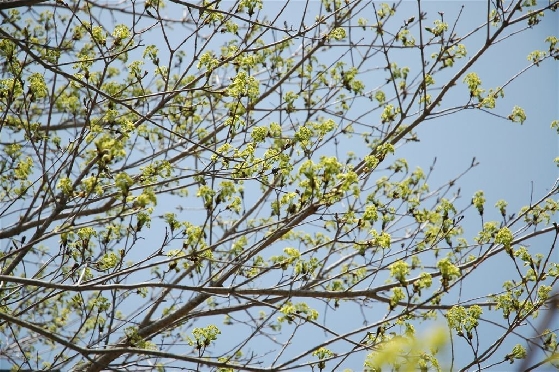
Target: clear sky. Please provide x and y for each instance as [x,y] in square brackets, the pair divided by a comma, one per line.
[515,161]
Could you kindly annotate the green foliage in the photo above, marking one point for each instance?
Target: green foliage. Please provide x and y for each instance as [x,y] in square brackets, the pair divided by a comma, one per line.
[504,237]
[296,312]
[136,340]
[203,337]
[502,206]
[518,352]
[518,115]
[166,167]
[473,82]
[407,353]
[322,354]
[337,34]
[464,320]
[438,28]
[478,201]
[399,270]
[449,271]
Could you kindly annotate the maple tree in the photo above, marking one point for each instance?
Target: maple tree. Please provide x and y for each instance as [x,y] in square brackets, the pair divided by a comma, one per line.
[217,185]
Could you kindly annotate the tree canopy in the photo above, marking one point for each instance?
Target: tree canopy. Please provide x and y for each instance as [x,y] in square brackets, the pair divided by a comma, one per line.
[219,185]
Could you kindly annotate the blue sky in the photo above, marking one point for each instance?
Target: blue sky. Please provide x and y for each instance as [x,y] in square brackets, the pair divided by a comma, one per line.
[515,161]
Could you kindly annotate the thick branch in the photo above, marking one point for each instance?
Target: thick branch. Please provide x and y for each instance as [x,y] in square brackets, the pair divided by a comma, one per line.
[8,4]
